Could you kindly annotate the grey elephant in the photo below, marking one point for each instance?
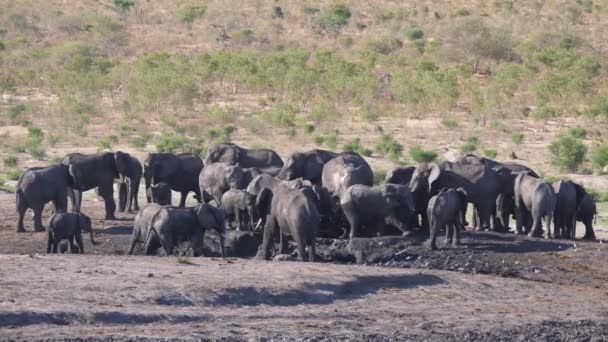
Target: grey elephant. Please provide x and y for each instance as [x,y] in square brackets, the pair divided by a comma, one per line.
[160,193]
[373,207]
[172,226]
[587,212]
[216,179]
[569,196]
[445,210]
[130,171]
[292,213]
[180,171]
[89,171]
[481,183]
[345,170]
[266,160]
[141,224]
[239,206]
[537,197]
[266,181]
[68,247]
[68,226]
[403,175]
[515,167]
[38,186]
[306,165]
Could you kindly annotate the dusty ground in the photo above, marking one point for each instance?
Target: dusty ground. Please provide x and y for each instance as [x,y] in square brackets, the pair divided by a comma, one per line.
[494,287]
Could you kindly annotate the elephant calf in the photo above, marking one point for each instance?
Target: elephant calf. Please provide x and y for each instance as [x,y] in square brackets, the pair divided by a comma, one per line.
[586,214]
[239,207]
[446,210]
[536,197]
[160,193]
[68,226]
[142,222]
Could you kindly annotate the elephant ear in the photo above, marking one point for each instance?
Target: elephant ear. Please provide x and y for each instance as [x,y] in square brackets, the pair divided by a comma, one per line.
[580,194]
[391,196]
[263,202]
[462,194]
[120,159]
[76,176]
[434,174]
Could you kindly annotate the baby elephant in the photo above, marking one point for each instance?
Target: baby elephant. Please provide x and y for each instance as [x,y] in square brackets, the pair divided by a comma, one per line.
[68,226]
[160,193]
[239,206]
[446,210]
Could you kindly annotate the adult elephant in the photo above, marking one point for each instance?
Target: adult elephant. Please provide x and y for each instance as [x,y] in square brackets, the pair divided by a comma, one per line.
[38,186]
[537,197]
[142,223]
[306,165]
[514,167]
[345,170]
[89,171]
[373,207]
[569,196]
[586,214]
[403,175]
[180,171]
[259,182]
[291,212]
[481,183]
[266,160]
[216,179]
[130,171]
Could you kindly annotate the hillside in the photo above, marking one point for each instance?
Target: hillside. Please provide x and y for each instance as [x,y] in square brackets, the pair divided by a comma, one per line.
[379,77]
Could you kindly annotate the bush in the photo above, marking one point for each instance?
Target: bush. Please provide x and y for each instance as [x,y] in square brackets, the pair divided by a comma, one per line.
[414,33]
[319,140]
[518,137]
[15,113]
[33,143]
[599,156]
[598,196]
[10,161]
[309,128]
[123,6]
[577,132]
[544,112]
[189,14]
[218,114]
[470,145]
[463,12]
[567,153]
[221,136]
[490,153]
[386,46]
[355,146]
[449,123]
[388,146]
[422,156]
[171,143]
[282,114]
[331,140]
[13,174]
[140,141]
[334,18]
[277,12]
[599,106]
[106,143]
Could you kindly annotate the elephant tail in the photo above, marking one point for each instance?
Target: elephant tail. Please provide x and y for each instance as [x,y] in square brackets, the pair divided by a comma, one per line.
[18,198]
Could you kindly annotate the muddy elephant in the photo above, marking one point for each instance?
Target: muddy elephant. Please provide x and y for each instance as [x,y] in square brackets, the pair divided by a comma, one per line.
[268,161]
[141,224]
[445,210]
[180,171]
[160,193]
[403,175]
[173,227]
[306,165]
[569,196]
[89,171]
[368,209]
[216,179]
[292,213]
[536,197]
[239,206]
[38,186]
[130,172]
[481,183]
[68,226]
[587,212]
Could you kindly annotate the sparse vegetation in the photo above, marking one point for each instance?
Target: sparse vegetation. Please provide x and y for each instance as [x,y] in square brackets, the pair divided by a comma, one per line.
[567,153]
[13,174]
[10,161]
[190,13]
[419,155]
[518,137]
[577,132]
[490,153]
[379,176]
[599,156]
[388,146]
[449,123]
[470,145]
[355,146]
[106,143]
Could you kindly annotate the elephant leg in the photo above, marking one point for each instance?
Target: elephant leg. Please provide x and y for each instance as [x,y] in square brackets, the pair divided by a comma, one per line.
[49,242]
[238,218]
[547,223]
[433,234]
[456,236]
[55,245]
[484,212]
[536,226]
[107,193]
[476,223]
[134,239]
[424,221]
[38,219]
[72,197]
[123,189]
[300,246]
[355,226]
[79,242]
[21,209]
[167,245]
[182,201]
[313,250]
[282,243]
[448,233]
[589,233]
[269,228]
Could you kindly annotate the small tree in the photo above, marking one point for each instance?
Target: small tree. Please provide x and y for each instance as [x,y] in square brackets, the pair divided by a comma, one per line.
[600,156]
[189,14]
[567,153]
[123,6]
[422,156]
[334,18]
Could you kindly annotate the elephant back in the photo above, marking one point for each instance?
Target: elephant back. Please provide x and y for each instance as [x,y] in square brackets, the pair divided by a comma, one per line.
[346,170]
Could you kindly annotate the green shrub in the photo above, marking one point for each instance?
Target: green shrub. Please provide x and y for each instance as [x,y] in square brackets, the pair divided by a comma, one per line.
[470,145]
[420,45]
[388,146]
[20,148]
[319,140]
[414,33]
[171,143]
[518,137]
[244,36]
[189,14]
[221,136]
[106,143]
[587,5]
[449,123]
[599,106]
[13,174]
[282,114]
[291,132]
[53,139]
[379,176]
[15,113]
[598,196]
[331,140]
[277,12]
[140,141]
[422,156]
[463,12]
[309,128]
[577,132]
[490,153]
[355,146]
[33,143]
[385,46]
[599,156]
[334,18]
[123,6]
[567,153]
[218,114]
[544,112]
[10,161]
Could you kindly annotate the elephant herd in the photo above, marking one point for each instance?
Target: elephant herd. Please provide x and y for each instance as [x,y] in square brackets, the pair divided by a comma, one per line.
[315,193]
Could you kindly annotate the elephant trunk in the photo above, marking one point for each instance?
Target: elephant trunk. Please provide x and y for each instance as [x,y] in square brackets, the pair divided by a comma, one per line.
[147,181]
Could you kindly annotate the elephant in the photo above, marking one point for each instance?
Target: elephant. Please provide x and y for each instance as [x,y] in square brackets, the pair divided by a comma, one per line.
[587,211]
[68,226]
[216,179]
[160,193]
[400,175]
[372,207]
[515,167]
[403,176]
[306,165]
[92,171]
[569,196]
[130,171]
[38,186]
[537,197]
[264,159]
[172,226]
[262,181]
[180,171]
[445,210]
[481,183]
[67,247]
[291,212]
[141,224]
[239,206]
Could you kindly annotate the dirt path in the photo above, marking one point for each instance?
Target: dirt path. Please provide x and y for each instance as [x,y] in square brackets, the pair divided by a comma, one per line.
[67,296]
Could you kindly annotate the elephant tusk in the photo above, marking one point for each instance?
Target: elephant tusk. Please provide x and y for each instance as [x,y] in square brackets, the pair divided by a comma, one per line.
[257,225]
